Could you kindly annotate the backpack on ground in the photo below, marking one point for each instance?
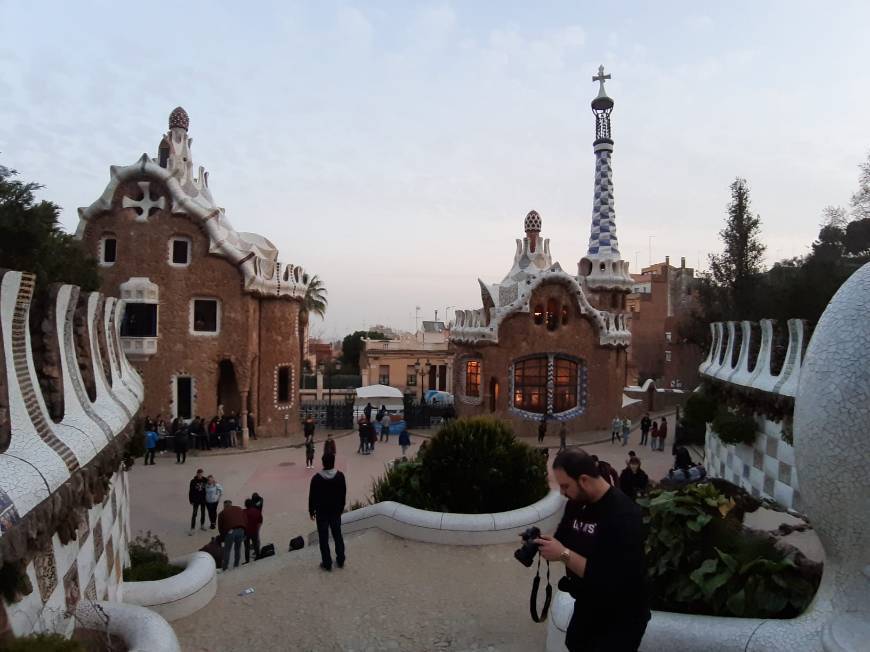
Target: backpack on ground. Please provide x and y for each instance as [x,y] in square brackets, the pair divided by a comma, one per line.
[297,543]
[266,551]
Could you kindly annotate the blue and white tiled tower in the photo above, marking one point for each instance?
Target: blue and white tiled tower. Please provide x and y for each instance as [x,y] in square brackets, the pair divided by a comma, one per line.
[602,267]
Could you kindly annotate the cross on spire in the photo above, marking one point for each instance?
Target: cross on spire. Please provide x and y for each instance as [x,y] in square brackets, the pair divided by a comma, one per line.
[600,77]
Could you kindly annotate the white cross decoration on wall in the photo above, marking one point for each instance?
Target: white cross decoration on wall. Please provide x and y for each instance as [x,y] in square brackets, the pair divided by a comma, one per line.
[146,205]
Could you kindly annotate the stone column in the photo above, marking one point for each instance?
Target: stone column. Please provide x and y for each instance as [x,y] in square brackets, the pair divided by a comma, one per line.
[244,418]
[319,392]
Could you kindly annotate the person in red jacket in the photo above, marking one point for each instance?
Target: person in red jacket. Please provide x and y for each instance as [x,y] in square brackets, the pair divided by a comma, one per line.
[231,525]
[254,519]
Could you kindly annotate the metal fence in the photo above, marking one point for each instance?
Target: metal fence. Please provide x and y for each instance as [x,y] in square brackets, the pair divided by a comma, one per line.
[426,415]
[336,415]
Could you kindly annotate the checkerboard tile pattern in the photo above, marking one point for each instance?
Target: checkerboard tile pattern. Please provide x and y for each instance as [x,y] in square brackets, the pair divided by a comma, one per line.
[62,575]
[765,469]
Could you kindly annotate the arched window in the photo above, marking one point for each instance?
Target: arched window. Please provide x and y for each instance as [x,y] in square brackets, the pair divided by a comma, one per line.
[552,314]
[539,314]
[530,384]
[564,315]
[565,386]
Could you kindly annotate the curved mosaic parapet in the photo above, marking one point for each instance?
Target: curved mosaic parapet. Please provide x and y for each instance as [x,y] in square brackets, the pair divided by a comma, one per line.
[141,629]
[43,454]
[831,386]
[178,596]
[730,356]
[454,529]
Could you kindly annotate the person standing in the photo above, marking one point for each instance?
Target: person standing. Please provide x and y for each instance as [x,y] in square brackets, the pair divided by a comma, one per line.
[563,437]
[309,452]
[633,480]
[308,427]
[404,440]
[257,500]
[182,439]
[328,446]
[645,425]
[253,519]
[663,433]
[231,525]
[196,496]
[326,499]
[626,431]
[373,436]
[542,429]
[654,435]
[362,436]
[385,425]
[367,411]
[600,541]
[213,493]
[615,429]
[252,431]
[150,446]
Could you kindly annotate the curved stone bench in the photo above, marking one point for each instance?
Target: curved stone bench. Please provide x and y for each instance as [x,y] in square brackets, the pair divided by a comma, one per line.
[454,529]
[180,595]
[141,629]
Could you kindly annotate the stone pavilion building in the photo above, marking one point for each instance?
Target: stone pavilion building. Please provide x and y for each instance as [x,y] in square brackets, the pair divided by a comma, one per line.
[212,316]
[549,343]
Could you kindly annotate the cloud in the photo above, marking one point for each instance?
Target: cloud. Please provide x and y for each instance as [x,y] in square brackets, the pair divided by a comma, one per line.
[434,27]
[354,29]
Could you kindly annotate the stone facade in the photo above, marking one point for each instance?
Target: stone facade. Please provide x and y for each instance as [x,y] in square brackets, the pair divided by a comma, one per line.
[397,359]
[213,317]
[661,296]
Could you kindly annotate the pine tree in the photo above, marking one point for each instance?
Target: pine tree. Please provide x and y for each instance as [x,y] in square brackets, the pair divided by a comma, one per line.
[735,268]
[861,199]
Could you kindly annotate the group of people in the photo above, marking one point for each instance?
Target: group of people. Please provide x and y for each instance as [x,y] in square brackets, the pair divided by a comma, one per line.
[221,431]
[563,432]
[235,525]
[652,431]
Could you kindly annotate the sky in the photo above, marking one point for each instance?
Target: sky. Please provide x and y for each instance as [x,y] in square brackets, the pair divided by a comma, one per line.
[394,148]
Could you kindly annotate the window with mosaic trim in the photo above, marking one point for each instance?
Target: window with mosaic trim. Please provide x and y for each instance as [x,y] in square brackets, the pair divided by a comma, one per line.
[472,378]
[565,389]
[530,384]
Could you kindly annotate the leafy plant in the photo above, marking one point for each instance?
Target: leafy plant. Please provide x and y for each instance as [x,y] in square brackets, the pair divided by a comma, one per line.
[43,643]
[149,571]
[700,407]
[702,561]
[734,428]
[472,466]
[14,581]
[148,560]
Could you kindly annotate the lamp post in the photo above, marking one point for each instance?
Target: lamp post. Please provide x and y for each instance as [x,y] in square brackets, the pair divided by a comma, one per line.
[330,369]
[423,370]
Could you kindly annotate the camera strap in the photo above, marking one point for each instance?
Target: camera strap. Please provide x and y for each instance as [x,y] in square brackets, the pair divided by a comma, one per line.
[548,595]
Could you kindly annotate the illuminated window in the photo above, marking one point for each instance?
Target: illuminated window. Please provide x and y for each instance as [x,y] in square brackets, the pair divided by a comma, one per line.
[539,314]
[564,315]
[472,378]
[530,384]
[565,387]
[552,314]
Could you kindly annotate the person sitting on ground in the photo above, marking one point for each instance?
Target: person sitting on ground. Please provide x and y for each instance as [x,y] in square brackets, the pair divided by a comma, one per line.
[213,548]
[231,525]
[254,519]
[607,472]
[633,480]
[682,459]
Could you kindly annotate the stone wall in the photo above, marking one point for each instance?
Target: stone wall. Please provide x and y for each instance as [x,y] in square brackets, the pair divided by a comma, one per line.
[64,499]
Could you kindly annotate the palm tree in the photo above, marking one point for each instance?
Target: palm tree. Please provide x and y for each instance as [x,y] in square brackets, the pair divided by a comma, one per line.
[315,302]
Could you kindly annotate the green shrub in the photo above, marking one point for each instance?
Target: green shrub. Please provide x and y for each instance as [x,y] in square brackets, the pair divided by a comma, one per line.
[472,466]
[700,408]
[43,643]
[151,570]
[148,560]
[702,561]
[734,428]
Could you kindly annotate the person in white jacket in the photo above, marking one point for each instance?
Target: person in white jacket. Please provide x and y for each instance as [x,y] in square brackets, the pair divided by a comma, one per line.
[213,493]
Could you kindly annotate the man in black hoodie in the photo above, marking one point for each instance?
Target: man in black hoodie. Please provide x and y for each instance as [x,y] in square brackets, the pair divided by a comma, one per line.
[326,500]
[196,496]
[600,540]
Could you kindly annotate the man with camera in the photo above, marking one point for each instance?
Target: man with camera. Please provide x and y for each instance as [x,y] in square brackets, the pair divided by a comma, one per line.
[600,540]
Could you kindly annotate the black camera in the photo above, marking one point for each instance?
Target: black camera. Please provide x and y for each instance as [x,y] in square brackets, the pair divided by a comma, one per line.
[525,554]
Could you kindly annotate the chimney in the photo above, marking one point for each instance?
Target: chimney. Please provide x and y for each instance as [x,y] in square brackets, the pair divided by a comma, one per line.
[667,261]
[683,262]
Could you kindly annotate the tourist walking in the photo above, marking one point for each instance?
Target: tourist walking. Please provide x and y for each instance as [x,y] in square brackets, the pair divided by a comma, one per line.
[542,429]
[213,493]
[329,446]
[615,429]
[326,498]
[150,446]
[309,452]
[404,440]
[253,520]
[563,437]
[626,431]
[663,433]
[633,480]
[645,425]
[385,425]
[196,495]
[182,440]
[231,525]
